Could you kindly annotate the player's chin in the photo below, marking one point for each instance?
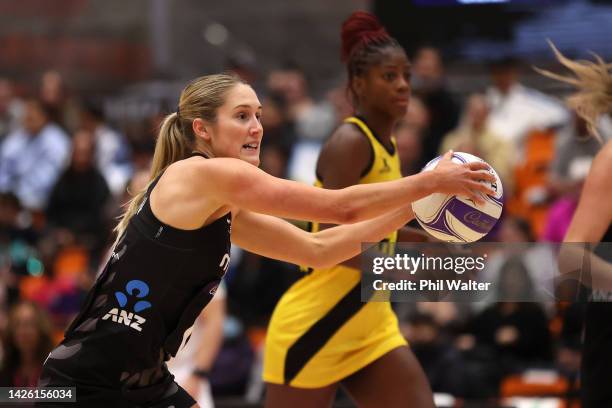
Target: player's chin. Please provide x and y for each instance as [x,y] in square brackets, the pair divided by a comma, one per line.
[251,158]
[399,110]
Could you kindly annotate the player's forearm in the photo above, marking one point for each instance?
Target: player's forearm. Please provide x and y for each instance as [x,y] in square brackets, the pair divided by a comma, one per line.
[372,200]
[249,188]
[337,244]
[410,234]
[578,262]
[212,336]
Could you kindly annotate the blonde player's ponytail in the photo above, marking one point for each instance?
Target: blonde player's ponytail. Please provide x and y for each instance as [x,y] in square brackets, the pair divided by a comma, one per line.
[176,140]
[171,146]
[593,80]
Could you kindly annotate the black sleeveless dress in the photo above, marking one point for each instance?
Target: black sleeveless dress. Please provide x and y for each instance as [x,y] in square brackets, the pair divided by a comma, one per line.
[139,313]
[596,373]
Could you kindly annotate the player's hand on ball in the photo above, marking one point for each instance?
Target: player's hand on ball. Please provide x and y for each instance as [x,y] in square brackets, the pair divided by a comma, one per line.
[463,179]
[466,200]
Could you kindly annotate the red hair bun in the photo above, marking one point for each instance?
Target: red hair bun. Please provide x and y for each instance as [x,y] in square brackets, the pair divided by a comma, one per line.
[359,30]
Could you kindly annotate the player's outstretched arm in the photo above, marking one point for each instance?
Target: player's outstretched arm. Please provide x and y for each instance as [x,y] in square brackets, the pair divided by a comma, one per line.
[276,238]
[237,183]
[594,212]
[589,224]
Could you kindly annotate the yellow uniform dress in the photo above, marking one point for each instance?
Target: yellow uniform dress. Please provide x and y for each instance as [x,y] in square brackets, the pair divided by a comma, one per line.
[321,331]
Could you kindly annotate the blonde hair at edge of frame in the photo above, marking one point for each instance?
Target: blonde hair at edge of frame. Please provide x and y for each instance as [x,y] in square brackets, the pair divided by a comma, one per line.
[201,98]
[593,81]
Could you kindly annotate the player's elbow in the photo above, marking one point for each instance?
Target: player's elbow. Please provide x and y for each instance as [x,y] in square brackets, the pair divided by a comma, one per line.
[351,215]
[324,252]
[346,216]
[316,257]
[345,212]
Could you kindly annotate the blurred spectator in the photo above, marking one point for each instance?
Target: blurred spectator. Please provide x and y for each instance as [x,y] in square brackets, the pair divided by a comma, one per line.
[418,115]
[474,136]
[430,84]
[274,161]
[15,222]
[32,157]
[303,160]
[62,107]
[516,330]
[78,202]
[312,120]
[339,100]
[111,148]
[143,145]
[464,373]
[436,355]
[193,364]
[574,153]
[447,315]
[243,64]
[569,349]
[539,261]
[278,129]
[516,109]
[11,109]
[409,146]
[17,246]
[25,344]
[516,230]
[509,337]
[279,136]
[142,154]
[255,285]
[138,182]
[232,370]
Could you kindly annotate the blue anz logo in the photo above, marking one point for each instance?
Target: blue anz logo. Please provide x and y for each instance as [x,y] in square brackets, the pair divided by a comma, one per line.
[135,289]
[141,289]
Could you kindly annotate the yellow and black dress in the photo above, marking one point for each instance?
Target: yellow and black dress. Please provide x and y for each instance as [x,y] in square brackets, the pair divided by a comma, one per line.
[321,331]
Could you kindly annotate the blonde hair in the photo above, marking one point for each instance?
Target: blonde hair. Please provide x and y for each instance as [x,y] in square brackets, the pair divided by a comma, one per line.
[201,98]
[593,81]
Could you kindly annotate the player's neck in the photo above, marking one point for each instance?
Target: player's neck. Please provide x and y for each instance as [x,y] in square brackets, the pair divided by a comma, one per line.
[378,123]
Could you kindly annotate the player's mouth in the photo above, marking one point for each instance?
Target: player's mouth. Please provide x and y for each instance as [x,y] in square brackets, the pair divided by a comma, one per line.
[251,146]
[401,101]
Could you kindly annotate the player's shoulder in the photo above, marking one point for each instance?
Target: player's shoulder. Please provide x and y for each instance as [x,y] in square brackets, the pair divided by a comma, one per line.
[602,165]
[197,164]
[347,137]
[347,148]
[606,152]
[604,158]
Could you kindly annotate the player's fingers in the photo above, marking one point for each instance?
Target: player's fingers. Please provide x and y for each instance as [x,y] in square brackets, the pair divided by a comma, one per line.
[476,197]
[448,155]
[482,175]
[481,187]
[478,165]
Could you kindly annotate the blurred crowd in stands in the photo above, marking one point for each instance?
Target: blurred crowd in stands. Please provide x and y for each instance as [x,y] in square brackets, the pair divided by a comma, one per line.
[66,169]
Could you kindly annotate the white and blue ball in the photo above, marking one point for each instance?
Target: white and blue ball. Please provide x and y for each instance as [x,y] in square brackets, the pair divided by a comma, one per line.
[453,218]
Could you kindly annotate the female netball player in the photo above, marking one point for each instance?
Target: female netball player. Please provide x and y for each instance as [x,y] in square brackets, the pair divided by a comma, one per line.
[321,335]
[592,222]
[174,240]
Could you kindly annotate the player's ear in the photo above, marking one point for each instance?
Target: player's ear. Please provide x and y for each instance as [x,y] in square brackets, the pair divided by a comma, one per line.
[358,85]
[201,129]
